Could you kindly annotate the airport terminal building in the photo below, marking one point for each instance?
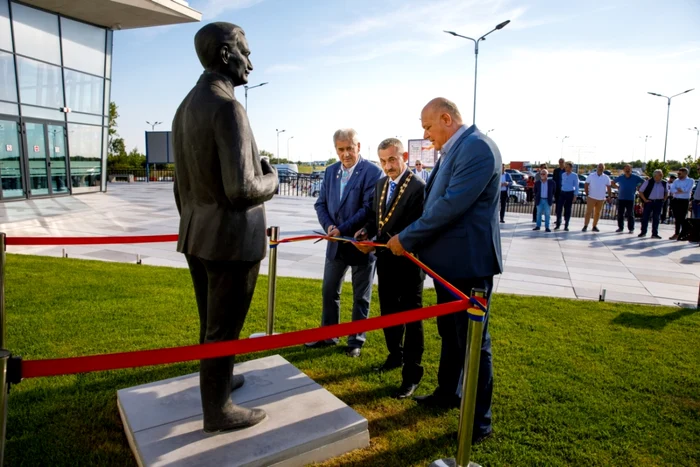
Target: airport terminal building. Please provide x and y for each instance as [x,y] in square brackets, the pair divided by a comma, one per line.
[55,82]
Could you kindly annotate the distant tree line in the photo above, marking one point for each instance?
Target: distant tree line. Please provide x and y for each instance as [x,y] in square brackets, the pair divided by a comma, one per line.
[117,157]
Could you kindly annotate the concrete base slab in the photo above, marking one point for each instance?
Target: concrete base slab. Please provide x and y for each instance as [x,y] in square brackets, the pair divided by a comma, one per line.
[305,423]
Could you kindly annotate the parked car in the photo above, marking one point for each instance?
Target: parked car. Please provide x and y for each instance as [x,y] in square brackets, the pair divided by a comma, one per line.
[513,171]
[582,177]
[516,194]
[581,198]
[286,170]
[316,188]
[519,178]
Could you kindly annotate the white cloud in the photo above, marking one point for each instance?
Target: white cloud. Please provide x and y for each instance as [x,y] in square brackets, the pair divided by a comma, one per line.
[283,68]
[213,8]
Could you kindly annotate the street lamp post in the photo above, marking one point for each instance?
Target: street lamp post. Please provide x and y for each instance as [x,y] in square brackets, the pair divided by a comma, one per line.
[251,87]
[668,113]
[289,139]
[153,125]
[646,138]
[278,141]
[476,55]
[561,152]
[697,136]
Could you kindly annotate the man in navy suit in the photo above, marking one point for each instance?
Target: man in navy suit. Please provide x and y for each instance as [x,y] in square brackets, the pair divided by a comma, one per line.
[544,197]
[458,236]
[346,197]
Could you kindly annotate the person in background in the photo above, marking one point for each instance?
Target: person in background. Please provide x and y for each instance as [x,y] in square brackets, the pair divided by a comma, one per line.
[627,184]
[506,183]
[544,197]
[664,210]
[696,202]
[653,193]
[530,188]
[680,189]
[556,176]
[569,191]
[420,171]
[534,208]
[597,184]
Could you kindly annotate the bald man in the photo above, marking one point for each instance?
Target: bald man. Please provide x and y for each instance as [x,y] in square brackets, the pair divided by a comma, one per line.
[458,236]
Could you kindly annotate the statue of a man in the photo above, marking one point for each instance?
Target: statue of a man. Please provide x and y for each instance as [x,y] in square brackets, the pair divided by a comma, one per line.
[221,185]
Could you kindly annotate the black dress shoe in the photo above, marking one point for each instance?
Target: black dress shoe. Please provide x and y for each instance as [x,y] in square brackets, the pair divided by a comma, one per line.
[658,237]
[405,391]
[480,438]
[557,227]
[353,352]
[319,344]
[237,381]
[390,364]
[441,402]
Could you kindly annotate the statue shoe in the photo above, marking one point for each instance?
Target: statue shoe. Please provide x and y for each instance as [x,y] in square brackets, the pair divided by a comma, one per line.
[234,417]
[237,381]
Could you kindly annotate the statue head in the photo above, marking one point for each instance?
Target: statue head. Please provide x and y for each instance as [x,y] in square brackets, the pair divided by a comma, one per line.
[222,48]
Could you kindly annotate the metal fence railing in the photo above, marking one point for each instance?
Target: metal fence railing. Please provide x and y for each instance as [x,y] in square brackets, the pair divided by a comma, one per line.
[296,184]
[140,175]
[578,209]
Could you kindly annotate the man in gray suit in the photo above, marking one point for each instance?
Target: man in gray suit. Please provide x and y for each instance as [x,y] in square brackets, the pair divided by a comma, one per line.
[221,185]
[458,236]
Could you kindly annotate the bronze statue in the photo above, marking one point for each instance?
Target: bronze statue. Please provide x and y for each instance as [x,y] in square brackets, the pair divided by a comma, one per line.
[221,185]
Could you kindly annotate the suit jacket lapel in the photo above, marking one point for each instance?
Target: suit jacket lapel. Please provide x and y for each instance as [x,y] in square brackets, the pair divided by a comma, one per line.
[352,182]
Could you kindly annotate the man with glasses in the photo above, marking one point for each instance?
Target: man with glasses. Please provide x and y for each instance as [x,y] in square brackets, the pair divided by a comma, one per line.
[420,171]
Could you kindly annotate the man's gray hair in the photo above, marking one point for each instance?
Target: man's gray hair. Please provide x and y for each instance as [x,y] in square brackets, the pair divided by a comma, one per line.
[346,134]
[391,142]
[544,172]
[684,169]
[658,171]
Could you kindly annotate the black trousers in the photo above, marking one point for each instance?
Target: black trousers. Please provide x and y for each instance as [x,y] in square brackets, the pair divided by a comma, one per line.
[504,203]
[223,290]
[652,209]
[564,202]
[679,208]
[453,331]
[401,289]
[625,209]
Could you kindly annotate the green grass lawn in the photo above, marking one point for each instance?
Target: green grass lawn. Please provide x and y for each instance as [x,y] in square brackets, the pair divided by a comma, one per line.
[576,382]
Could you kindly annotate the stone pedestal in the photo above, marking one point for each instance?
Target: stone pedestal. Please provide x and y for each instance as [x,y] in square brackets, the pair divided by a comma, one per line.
[305,423]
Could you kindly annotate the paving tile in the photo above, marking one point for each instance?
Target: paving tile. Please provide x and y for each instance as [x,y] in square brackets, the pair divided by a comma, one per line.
[587,277]
[641,290]
[511,276]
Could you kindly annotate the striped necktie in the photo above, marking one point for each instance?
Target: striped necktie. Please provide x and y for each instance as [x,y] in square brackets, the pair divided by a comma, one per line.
[392,187]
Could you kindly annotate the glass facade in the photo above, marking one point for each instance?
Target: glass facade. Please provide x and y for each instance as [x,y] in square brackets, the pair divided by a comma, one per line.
[54,95]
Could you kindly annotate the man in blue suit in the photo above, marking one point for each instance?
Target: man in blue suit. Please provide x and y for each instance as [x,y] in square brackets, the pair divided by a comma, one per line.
[342,207]
[458,236]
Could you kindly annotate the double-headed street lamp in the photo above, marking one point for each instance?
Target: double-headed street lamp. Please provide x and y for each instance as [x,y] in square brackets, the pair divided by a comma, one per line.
[697,136]
[668,113]
[251,87]
[476,55]
[153,125]
[278,141]
[489,131]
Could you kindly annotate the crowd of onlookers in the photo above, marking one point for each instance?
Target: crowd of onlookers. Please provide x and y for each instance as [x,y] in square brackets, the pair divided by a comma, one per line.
[654,198]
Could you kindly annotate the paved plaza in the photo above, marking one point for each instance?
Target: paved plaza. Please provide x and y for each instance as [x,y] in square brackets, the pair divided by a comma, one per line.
[566,264]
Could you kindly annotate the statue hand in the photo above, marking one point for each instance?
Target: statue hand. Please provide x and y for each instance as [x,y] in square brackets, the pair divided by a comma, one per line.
[267,168]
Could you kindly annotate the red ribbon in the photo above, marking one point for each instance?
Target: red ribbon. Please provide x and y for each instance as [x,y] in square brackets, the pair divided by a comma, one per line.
[115,361]
[33,241]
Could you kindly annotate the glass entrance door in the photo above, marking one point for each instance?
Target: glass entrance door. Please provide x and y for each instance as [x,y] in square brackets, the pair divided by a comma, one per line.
[11,167]
[57,159]
[37,159]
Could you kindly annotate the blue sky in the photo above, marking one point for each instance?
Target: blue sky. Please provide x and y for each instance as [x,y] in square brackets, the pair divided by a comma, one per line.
[579,69]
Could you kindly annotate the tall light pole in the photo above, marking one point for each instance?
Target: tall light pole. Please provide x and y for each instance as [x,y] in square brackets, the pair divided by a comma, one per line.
[476,55]
[278,141]
[697,136]
[646,138]
[153,125]
[561,153]
[668,113]
[251,87]
[288,140]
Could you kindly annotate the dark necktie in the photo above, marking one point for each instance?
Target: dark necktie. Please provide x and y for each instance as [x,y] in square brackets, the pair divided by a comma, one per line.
[392,187]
